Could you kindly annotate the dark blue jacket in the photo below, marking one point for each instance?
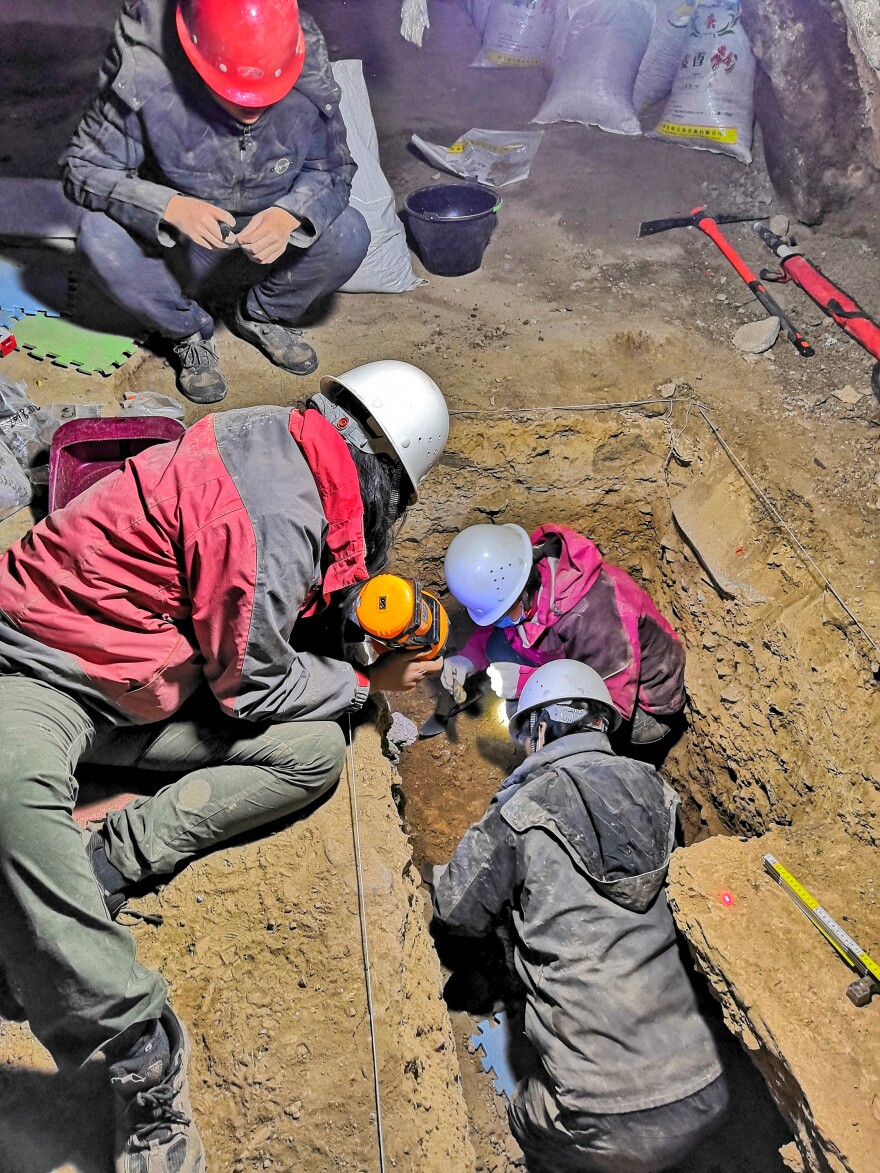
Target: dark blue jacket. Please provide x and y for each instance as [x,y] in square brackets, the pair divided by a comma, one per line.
[153,131]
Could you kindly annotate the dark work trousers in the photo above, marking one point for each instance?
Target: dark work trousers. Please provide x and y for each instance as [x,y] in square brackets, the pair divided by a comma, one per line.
[631,1142]
[71,968]
[163,287]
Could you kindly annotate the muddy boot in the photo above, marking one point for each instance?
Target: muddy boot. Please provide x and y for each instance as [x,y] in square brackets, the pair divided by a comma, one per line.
[647,729]
[199,377]
[155,1132]
[282,345]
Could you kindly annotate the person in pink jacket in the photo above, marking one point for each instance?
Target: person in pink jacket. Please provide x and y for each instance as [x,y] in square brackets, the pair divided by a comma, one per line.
[154,622]
[552,596]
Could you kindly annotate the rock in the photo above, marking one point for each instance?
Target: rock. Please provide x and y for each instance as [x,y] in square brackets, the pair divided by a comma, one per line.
[403,732]
[756,337]
[780,225]
[781,986]
[809,103]
[848,394]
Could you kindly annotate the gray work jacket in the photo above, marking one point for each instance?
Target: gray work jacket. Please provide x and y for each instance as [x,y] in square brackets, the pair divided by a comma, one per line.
[153,131]
[575,847]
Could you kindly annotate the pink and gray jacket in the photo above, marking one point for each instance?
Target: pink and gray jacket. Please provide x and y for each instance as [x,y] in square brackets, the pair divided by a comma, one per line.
[588,610]
[191,565]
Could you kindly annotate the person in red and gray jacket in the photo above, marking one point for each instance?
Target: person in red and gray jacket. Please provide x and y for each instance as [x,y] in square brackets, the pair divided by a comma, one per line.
[552,596]
[150,622]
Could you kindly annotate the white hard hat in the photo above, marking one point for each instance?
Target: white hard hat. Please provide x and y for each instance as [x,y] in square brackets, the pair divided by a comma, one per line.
[403,404]
[558,682]
[487,567]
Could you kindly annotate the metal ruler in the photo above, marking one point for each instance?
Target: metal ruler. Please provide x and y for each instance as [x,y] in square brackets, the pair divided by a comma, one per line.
[859,992]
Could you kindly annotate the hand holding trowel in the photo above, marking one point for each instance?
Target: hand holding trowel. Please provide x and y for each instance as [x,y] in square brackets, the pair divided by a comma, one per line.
[460,687]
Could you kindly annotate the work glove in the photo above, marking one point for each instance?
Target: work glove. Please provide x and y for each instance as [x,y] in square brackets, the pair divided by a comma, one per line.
[504,679]
[456,670]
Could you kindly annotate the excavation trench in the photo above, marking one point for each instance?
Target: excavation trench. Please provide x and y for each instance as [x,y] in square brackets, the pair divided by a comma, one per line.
[768,652]
[261,942]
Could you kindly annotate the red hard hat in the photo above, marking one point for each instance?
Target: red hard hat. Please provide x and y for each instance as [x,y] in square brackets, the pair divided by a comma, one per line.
[248,51]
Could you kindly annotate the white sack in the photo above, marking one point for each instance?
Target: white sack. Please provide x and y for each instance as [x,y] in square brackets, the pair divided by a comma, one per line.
[387,267]
[517,33]
[666,50]
[594,80]
[711,106]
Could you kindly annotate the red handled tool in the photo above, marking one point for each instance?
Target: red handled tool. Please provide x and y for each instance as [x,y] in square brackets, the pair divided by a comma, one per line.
[700,218]
[830,298]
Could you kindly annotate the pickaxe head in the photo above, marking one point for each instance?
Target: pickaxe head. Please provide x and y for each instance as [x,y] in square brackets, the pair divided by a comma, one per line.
[650,227]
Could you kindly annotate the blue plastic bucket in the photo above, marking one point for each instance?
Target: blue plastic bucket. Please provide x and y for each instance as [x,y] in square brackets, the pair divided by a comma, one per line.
[451,224]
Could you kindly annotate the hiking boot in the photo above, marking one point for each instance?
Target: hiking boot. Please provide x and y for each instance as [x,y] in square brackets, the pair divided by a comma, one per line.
[282,345]
[199,377]
[155,1132]
[110,881]
[646,729]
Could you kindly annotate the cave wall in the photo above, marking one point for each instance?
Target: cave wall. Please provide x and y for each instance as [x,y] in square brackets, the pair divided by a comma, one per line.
[813,103]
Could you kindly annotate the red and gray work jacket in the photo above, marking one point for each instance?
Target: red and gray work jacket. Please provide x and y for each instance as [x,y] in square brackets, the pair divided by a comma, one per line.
[191,565]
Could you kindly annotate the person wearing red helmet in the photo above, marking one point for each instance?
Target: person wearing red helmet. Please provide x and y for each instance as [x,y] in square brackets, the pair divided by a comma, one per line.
[215,165]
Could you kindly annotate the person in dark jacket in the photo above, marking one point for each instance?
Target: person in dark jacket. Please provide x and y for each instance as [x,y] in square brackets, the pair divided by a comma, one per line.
[214,158]
[153,621]
[571,856]
[551,595]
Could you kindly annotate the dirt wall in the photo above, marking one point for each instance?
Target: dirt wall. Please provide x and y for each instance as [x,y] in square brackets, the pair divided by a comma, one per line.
[783,707]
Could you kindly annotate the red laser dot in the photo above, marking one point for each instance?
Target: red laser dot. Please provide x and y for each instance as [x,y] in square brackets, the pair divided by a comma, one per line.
[726,899]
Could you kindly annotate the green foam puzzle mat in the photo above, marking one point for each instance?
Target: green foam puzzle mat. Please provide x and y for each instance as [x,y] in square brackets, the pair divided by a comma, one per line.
[69,345]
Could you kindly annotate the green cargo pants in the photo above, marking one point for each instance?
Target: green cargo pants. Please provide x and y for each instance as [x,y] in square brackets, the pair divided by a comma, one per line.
[70,966]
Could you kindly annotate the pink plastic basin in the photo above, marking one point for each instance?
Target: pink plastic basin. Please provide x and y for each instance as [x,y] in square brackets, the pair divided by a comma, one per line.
[87,450]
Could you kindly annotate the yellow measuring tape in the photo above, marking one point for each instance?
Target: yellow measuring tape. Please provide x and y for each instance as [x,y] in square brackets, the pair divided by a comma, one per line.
[854,955]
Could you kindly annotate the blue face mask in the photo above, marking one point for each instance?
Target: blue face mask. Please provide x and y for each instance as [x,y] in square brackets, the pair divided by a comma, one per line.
[505,621]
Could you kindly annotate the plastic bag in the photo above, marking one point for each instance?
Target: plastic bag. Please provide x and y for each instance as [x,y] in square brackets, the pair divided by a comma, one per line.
[711,106]
[15,488]
[494,157]
[387,267]
[140,403]
[26,429]
[517,33]
[414,21]
[594,81]
[665,52]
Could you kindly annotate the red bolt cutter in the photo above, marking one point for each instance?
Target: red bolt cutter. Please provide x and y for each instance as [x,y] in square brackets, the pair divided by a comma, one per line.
[830,298]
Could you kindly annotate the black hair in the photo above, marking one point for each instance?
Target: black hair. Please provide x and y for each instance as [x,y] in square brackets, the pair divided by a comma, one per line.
[378,476]
[592,710]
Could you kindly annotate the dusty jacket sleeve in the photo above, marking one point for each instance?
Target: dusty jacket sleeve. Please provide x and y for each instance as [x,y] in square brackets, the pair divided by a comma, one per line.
[100,166]
[475,648]
[471,894]
[321,190]
[661,683]
[243,615]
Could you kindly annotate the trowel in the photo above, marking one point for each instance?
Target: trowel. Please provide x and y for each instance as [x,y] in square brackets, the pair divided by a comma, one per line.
[447,707]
